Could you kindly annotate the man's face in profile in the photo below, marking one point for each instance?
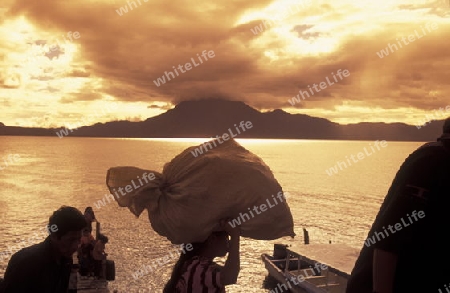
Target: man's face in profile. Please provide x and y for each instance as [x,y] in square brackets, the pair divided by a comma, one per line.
[67,245]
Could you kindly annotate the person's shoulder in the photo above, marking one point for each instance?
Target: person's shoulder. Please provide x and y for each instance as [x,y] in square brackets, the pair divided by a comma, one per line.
[25,263]
[425,166]
[429,153]
[430,147]
[31,253]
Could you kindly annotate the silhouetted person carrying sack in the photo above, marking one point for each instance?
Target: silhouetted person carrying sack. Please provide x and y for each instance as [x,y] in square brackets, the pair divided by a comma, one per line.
[46,267]
[407,249]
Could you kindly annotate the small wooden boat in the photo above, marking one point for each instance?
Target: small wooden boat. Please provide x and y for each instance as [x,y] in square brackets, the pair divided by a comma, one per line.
[300,274]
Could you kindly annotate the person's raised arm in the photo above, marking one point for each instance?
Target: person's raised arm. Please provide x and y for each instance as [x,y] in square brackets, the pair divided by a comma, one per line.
[230,272]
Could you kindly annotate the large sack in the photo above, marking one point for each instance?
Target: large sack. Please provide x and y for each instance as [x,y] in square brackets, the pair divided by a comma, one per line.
[186,201]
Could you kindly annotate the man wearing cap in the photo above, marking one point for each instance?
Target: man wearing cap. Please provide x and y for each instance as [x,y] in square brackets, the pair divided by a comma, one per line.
[415,255]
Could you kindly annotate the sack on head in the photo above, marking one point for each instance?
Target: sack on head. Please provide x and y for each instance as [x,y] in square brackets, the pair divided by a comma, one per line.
[186,201]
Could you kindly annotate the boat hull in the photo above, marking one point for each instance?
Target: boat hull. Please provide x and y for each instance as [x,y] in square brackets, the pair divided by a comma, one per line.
[279,275]
[301,274]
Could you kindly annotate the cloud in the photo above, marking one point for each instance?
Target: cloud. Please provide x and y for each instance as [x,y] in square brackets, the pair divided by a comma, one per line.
[120,56]
[5,103]
[78,73]
[10,80]
[54,52]
[160,106]
[76,97]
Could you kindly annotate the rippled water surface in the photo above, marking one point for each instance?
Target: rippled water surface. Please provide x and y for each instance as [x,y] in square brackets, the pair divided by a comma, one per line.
[48,172]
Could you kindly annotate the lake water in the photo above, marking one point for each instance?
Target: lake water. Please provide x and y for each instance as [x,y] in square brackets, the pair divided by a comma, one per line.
[39,174]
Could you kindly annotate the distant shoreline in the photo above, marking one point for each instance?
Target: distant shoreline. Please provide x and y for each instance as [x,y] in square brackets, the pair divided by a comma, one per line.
[200,139]
[207,118]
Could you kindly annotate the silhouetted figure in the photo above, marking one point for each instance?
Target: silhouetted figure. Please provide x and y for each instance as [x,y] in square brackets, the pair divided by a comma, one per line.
[46,267]
[195,271]
[90,218]
[99,255]
[85,258]
[407,249]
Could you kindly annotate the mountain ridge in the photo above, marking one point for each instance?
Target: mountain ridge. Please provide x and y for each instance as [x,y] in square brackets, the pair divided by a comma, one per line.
[208,118]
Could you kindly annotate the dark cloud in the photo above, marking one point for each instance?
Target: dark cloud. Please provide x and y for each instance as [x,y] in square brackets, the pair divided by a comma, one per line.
[54,52]
[79,73]
[166,106]
[39,42]
[303,31]
[77,97]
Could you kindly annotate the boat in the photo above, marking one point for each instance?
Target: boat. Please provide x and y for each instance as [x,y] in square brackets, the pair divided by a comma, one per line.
[326,269]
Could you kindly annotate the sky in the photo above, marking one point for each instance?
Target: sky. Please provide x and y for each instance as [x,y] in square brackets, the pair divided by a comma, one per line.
[89,61]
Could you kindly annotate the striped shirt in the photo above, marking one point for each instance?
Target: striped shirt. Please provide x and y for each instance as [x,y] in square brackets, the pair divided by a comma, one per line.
[200,275]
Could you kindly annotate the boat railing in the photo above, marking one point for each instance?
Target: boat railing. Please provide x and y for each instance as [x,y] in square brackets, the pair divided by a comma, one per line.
[332,277]
[291,254]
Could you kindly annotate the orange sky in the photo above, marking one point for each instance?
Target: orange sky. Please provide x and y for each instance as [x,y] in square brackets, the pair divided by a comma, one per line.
[108,72]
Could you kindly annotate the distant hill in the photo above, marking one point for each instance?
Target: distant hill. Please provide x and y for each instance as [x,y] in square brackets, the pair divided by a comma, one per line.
[208,118]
